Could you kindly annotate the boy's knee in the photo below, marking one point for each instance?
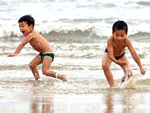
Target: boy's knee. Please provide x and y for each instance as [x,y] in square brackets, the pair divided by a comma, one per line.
[45,72]
[105,66]
[32,66]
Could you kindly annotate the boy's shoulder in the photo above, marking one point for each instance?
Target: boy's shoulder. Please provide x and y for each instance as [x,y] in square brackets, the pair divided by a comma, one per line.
[110,39]
[33,34]
[128,41]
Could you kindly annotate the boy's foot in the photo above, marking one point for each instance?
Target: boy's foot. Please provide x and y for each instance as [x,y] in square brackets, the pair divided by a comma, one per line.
[62,77]
[36,77]
[123,79]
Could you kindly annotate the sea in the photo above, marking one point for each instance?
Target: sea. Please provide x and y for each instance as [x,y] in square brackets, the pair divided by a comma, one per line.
[77,30]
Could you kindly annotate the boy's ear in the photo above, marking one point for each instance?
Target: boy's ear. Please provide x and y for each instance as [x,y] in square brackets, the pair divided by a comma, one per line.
[31,26]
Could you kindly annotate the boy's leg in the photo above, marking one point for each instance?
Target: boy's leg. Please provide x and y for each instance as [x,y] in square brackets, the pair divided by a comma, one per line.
[126,68]
[45,69]
[106,68]
[36,61]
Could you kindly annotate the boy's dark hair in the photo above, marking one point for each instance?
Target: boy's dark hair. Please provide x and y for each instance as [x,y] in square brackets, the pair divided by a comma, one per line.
[28,19]
[120,25]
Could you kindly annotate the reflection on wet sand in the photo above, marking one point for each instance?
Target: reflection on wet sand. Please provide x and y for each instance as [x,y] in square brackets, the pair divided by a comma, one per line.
[127,99]
[109,103]
[40,101]
[49,97]
[35,106]
[46,105]
[126,102]
[41,106]
[121,103]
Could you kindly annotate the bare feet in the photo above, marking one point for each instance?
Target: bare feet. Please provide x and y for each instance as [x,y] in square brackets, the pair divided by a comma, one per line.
[123,78]
[36,77]
[128,73]
[62,77]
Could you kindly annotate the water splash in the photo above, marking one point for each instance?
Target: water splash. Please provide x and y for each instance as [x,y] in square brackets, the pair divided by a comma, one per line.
[130,79]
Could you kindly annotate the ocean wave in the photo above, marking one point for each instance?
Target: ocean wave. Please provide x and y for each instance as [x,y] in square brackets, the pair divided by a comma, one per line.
[141,36]
[84,32]
[144,3]
[77,32]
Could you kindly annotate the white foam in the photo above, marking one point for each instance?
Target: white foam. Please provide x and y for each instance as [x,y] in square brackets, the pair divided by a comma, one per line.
[130,79]
[131,82]
[68,16]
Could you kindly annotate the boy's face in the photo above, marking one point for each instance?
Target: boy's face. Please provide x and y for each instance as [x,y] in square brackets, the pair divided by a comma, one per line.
[119,36]
[25,28]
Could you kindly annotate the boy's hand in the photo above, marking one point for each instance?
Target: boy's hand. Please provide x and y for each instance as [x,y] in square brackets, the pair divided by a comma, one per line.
[12,55]
[121,63]
[143,71]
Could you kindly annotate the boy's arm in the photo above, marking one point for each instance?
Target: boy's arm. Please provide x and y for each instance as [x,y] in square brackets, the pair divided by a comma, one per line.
[135,55]
[21,45]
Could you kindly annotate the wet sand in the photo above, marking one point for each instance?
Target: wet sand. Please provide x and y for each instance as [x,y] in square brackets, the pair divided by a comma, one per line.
[25,95]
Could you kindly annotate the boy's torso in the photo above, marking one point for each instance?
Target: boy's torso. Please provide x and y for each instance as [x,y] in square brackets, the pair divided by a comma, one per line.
[118,49]
[39,43]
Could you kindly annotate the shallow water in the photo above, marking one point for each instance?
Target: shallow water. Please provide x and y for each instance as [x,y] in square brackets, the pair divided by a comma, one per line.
[87,90]
[49,96]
